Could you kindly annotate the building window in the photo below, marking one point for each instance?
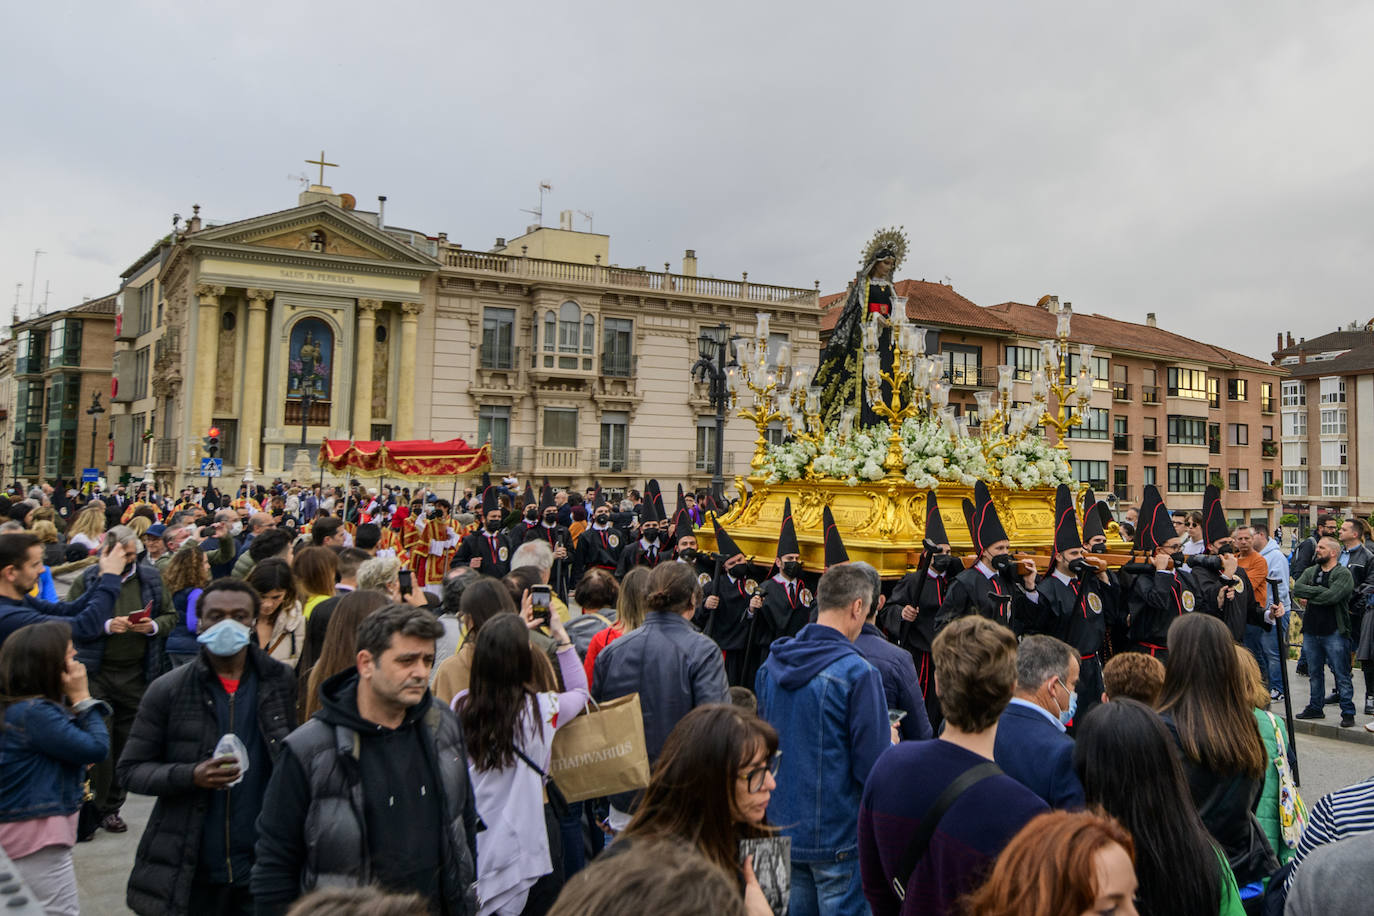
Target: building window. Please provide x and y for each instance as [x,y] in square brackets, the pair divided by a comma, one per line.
[1268,477]
[1149,434]
[1149,387]
[1294,394]
[1119,478]
[1151,475]
[1024,360]
[1237,433]
[1187,430]
[775,433]
[1295,423]
[1187,478]
[706,445]
[1213,393]
[1333,453]
[560,427]
[145,308]
[962,364]
[1294,454]
[1092,473]
[1335,483]
[776,341]
[1295,483]
[1214,438]
[1094,426]
[141,373]
[1333,390]
[1267,397]
[1236,389]
[614,441]
[617,347]
[1333,421]
[1101,369]
[1187,383]
[1238,479]
[1268,433]
[550,336]
[498,338]
[493,424]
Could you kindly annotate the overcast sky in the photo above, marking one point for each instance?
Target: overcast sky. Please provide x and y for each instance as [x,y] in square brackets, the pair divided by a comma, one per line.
[1206,161]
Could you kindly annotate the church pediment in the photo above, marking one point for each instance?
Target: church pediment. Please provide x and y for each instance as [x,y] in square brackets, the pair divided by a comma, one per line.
[316,229]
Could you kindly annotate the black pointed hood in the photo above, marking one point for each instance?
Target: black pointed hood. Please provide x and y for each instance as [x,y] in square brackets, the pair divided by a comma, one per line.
[681,502]
[787,537]
[835,554]
[1154,526]
[546,496]
[1065,521]
[598,500]
[682,525]
[646,511]
[489,500]
[983,524]
[528,498]
[655,495]
[1095,516]
[725,545]
[1214,525]
[935,526]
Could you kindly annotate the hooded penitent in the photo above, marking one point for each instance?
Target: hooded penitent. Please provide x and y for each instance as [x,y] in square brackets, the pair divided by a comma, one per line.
[1096,515]
[983,524]
[787,536]
[1213,516]
[725,545]
[835,554]
[1065,521]
[1154,526]
[935,526]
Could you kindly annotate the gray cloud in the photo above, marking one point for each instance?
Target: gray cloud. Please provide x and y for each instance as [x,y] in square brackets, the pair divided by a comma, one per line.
[1208,162]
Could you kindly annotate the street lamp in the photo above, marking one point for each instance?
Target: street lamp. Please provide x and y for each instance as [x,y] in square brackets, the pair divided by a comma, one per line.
[305,402]
[713,347]
[18,456]
[94,411]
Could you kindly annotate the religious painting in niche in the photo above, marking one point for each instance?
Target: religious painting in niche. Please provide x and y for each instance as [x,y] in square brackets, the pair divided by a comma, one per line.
[310,370]
[381,370]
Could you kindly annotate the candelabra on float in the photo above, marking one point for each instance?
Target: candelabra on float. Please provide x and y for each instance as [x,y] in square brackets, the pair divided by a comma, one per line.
[1057,352]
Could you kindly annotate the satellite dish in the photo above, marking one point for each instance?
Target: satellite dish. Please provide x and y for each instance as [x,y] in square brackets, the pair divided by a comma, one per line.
[348,201]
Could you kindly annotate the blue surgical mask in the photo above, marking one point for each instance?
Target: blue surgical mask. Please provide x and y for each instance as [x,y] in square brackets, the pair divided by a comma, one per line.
[226,638]
[1066,715]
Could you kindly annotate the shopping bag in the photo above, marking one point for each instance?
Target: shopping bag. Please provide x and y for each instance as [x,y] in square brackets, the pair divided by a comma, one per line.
[602,751]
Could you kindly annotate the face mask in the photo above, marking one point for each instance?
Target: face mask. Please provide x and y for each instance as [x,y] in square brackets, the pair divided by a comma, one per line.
[1003,563]
[236,529]
[1178,558]
[1099,548]
[429,510]
[1066,715]
[226,638]
[689,554]
[602,519]
[494,526]
[531,514]
[945,562]
[551,518]
[1078,567]
[791,569]
[651,535]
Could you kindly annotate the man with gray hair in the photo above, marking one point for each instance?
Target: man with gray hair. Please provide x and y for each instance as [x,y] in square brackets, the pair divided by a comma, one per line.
[539,555]
[122,663]
[809,680]
[1031,745]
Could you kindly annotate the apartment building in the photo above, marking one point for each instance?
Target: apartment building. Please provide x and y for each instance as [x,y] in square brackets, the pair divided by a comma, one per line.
[1327,452]
[61,366]
[1165,409]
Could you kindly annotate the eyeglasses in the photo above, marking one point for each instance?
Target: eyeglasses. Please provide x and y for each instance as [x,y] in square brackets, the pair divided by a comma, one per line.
[755,777]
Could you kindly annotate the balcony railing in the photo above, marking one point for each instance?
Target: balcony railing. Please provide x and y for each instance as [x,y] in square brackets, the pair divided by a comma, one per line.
[1149,394]
[706,462]
[1149,445]
[600,275]
[499,357]
[619,365]
[557,460]
[972,376]
[318,416]
[1269,448]
[165,453]
[506,458]
[1121,443]
[1121,391]
[1214,401]
[1266,405]
[616,460]
[1272,492]
[1124,491]
[1214,446]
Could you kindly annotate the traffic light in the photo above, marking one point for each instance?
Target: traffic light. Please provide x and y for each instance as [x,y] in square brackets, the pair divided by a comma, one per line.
[211,442]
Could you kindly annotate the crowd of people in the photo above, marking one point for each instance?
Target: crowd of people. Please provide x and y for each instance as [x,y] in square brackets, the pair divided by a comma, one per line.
[349,700]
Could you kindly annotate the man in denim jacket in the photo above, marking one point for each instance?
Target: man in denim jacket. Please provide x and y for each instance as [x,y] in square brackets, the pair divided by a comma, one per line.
[827,703]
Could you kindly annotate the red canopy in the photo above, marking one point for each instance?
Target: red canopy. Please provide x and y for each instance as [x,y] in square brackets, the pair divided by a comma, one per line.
[414,458]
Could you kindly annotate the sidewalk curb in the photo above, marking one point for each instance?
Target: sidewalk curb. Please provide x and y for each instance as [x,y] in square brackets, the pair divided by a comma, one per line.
[1321,729]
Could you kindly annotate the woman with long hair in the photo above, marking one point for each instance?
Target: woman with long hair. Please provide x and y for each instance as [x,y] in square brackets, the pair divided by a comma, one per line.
[88,529]
[481,601]
[630,607]
[185,577]
[509,725]
[315,570]
[1125,758]
[710,788]
[53,549]
[1275,738]
[340,650]
[1207,709]
[281,623]
[1062,864]
[52,729]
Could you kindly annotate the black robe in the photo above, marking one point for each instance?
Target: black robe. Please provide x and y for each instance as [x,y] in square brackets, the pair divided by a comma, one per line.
[728,624]
[597,549]
[920,633]
[639,555]
[782,614]
[1235,612]
[971,592]
[489,551]
[1083,625]
[1153,602]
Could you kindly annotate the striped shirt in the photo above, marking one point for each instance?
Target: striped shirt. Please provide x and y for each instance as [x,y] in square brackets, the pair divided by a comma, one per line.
[1338,815]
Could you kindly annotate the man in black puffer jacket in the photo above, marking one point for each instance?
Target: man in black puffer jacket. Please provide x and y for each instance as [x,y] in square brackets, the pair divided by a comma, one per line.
[196,855]
[372,781]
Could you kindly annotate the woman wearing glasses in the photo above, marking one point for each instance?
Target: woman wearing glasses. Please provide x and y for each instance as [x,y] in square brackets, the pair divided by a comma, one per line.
[710,787]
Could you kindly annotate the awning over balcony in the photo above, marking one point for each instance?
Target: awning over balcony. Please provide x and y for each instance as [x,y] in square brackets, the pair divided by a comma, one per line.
[416,458]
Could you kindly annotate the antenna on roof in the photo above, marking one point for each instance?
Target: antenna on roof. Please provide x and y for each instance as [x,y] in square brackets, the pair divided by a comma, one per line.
[42,309]
[301,178]
[587,215]
[538,212]
[949,281]
[17,288]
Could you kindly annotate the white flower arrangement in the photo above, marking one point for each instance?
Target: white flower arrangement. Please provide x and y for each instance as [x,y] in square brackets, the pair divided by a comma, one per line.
[930,455]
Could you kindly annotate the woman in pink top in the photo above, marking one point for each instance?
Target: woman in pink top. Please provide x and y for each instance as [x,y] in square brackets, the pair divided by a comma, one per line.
[52,730]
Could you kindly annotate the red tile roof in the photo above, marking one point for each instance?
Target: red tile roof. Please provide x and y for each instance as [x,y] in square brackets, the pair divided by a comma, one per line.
[926,303]
[1114,334]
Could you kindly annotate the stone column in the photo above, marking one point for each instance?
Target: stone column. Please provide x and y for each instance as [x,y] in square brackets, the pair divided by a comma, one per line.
[362,377]
[405,397]
[207,358]
[255,348]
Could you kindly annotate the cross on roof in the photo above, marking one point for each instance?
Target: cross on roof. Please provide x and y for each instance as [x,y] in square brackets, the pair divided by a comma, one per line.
[322,163]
